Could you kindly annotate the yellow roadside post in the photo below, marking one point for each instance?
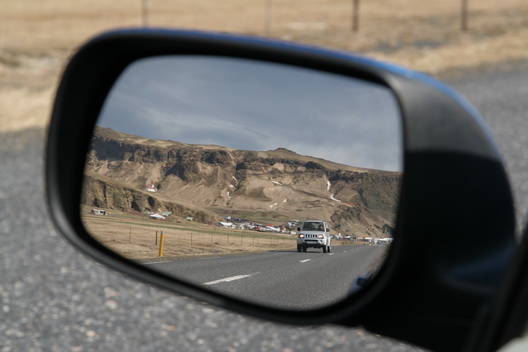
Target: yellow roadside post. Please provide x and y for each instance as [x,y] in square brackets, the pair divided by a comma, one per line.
[161,245]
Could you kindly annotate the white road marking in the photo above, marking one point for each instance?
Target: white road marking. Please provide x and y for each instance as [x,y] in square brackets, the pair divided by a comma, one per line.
[163,262]
[228,279]
[331,254]
[306,260]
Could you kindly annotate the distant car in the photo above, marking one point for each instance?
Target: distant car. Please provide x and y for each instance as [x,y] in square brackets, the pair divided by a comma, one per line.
[315,234]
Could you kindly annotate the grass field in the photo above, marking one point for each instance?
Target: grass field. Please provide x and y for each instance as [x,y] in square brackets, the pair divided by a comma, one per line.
[137,237]
[37,36]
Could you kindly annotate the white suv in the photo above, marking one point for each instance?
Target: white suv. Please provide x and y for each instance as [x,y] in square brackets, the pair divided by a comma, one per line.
[314,233]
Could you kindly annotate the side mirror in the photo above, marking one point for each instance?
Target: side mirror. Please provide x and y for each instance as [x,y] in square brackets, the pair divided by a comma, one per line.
[436,183]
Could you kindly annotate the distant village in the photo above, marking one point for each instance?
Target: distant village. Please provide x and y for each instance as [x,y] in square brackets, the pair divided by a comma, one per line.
[289,228]
[243,224]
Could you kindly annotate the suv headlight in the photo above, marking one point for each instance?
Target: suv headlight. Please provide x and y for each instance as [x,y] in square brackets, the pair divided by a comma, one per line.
[321,236]
[301,235]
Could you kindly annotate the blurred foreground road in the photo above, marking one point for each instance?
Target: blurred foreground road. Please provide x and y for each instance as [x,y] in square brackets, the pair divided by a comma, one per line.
[54,299]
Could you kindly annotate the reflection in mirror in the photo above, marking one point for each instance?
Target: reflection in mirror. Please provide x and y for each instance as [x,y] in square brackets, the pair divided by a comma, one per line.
[271,183]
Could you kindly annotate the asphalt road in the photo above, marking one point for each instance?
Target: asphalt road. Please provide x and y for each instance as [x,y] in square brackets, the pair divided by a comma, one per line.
[284,279]
[54,299]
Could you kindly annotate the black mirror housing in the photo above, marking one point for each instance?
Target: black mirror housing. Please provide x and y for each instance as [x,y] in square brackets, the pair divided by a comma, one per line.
[455,230]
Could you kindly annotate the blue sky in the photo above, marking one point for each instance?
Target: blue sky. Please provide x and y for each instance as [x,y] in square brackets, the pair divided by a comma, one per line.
[252,105]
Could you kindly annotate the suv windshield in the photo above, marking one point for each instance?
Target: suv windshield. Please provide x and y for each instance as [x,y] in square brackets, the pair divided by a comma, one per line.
[313,226]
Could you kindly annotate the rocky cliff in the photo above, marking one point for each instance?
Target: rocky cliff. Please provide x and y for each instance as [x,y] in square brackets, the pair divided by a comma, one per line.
[209,182]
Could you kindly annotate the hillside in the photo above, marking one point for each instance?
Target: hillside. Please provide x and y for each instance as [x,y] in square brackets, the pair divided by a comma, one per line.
[210,182]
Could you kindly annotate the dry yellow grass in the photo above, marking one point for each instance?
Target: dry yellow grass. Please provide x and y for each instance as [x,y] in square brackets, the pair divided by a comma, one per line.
[37,36]
[134,237]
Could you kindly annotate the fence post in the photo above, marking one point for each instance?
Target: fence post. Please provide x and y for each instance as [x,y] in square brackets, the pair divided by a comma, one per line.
[144,13]
[355,15]
[268,14]
[156,238]
[464,15]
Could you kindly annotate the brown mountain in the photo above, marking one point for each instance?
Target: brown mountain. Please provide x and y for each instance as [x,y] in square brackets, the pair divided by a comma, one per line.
[208,182]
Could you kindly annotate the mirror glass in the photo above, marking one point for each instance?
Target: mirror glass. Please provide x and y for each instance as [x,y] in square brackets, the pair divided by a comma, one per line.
[271,183]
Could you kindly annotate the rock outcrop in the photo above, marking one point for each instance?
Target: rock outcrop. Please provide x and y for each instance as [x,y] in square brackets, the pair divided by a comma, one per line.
[208,182]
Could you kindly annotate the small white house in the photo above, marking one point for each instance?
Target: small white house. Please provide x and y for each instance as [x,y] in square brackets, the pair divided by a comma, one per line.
[152,187]
[99,212]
